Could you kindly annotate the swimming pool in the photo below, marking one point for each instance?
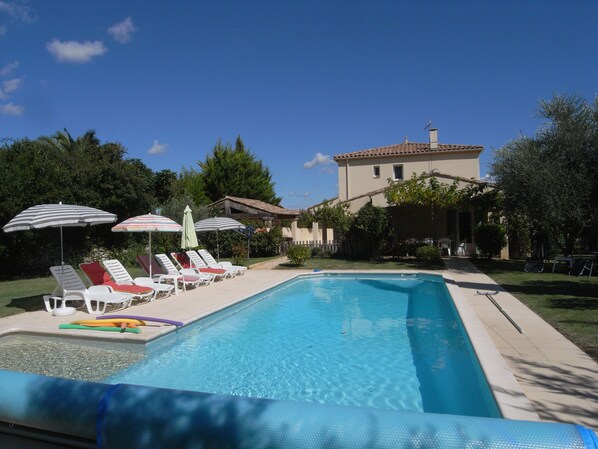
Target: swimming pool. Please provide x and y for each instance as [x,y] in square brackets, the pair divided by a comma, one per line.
[384,341]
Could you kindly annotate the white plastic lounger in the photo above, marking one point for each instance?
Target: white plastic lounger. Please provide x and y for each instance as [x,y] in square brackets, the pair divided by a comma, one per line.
[199,264]
[211,262]
[71,288]
[190,277]
[122,276]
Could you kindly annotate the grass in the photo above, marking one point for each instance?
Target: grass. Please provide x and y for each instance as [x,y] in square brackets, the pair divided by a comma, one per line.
[24,295]
[342,264]
[567,303]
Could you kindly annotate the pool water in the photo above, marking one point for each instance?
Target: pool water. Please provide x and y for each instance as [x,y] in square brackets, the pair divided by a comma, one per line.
[383,341]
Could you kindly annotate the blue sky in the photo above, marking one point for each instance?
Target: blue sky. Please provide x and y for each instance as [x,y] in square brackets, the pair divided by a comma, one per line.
[299,81]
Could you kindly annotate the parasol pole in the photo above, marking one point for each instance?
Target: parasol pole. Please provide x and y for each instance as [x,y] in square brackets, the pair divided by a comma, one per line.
[61,265]
[150,253]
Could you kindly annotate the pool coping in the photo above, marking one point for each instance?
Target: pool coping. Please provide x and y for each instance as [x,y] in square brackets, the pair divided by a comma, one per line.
[511,400]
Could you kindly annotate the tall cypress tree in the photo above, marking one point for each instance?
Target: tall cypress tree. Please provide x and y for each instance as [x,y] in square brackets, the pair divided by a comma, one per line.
[236,172]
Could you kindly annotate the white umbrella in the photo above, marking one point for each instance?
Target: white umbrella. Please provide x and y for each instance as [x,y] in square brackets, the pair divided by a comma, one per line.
[148,223]
[218,224]
[58,216]
[188,236]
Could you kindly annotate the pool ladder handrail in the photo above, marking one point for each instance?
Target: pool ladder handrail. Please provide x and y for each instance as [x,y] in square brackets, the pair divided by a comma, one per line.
[490,295]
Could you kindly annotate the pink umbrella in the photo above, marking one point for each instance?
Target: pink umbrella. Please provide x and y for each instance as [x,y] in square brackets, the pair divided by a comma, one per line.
[148,223]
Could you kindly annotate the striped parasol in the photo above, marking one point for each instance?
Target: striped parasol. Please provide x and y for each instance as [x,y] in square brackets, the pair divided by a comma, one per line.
[148,223]
[218,224]
[58,216]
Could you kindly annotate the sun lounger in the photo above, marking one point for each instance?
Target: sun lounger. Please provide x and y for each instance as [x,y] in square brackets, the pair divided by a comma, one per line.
[160,275]
[186,261]
[190,277]
[211,262]
[98,276]
[122,276]
[70,288]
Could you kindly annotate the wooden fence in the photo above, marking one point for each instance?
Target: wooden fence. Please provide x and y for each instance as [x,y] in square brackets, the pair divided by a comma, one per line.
[330,247]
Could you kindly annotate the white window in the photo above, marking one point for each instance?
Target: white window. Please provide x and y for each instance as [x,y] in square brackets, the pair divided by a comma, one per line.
[397,171]
[376,171]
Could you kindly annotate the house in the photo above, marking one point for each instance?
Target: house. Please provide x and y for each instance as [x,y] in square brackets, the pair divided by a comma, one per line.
[238,208]
[268,215]
[364,175]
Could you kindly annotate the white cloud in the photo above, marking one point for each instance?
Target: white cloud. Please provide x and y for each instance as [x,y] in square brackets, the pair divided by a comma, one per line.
[158,148]
[18,11]
[8,68]
[122,31]
[12,85]
[11,109]
[319,159]
[9,86]
[305,195]
[76,52]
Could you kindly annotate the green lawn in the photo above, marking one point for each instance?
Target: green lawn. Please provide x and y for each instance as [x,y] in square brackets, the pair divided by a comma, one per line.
[342,264]
[24,295]
[568,303]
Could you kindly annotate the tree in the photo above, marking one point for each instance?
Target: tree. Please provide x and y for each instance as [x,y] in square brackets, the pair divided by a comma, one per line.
[551,178]
[163,184]
[236,172]
[191,182]
[74,171]
[371,231]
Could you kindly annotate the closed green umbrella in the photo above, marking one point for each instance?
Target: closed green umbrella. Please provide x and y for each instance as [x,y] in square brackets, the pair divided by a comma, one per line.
[189,237]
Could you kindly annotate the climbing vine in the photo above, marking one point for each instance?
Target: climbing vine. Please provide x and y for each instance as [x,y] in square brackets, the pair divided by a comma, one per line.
[425,190]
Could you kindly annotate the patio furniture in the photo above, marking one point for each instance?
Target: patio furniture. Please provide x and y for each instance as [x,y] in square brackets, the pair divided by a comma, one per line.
[589,265]
[445,243]
[71,288]
[122,276]
[199,264]
[98,276]
[190,277]
[211,262]
[159,274]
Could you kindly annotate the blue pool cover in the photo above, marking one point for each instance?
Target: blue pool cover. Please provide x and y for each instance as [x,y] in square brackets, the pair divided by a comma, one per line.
[126,416]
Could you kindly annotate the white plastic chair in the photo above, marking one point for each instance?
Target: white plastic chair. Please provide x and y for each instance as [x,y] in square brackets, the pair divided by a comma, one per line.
[445,243]
[199,264]
[211,262]
[71,288]
[122,276]
[190,277]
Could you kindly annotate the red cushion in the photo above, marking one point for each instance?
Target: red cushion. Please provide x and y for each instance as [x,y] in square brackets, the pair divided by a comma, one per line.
[135,289]
[213,270]
[95,272]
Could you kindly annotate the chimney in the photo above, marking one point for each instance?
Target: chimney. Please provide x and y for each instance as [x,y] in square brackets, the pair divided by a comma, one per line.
[433,139]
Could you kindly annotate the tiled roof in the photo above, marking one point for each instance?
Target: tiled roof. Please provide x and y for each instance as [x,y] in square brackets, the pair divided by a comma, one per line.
[257,204]
[401,149]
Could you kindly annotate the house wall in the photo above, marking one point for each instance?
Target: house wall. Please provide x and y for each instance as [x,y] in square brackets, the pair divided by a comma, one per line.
[356,176]
[308,235]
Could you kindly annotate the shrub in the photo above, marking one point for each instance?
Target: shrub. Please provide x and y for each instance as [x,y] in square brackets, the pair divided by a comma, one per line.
[490,238]
[266,243]
[428,254]
[298,254]
[239,253]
